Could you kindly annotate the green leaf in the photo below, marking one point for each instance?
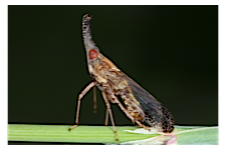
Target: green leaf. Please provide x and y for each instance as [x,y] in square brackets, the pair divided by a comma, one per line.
[60,133]
[105,135]
[198,136]
[182,135]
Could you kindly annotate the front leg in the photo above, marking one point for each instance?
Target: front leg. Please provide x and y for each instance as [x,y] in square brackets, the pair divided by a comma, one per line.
[83,93]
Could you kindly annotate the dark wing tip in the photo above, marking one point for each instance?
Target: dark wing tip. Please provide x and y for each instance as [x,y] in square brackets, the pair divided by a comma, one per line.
[167,121]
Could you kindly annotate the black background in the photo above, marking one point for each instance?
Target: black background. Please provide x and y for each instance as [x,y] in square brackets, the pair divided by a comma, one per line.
[171,51]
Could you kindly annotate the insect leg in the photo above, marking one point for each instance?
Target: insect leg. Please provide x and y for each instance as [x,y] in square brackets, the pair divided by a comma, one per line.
[122,108]
[79,102]
[142,125]
[128,115]
[94,100]
[110,113]
[106,118]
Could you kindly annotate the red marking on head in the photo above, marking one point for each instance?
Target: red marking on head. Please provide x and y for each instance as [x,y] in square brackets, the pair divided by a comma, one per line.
[93,54]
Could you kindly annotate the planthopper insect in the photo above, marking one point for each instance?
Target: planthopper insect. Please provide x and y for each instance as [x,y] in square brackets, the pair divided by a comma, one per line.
[137,103]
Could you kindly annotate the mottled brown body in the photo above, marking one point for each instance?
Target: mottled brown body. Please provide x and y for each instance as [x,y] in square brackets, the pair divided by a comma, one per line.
[137,103]
[110,80]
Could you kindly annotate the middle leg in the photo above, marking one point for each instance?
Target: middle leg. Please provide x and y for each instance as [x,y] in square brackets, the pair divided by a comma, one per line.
[128,115]
[110,113]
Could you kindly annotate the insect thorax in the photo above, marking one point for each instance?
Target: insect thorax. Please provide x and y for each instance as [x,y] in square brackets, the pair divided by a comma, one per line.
[110,80]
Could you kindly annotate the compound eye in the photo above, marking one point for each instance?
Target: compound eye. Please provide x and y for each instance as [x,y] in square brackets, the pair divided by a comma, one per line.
[93,54]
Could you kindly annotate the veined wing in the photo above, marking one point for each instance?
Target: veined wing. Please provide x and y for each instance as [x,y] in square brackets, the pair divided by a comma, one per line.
[156,115]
